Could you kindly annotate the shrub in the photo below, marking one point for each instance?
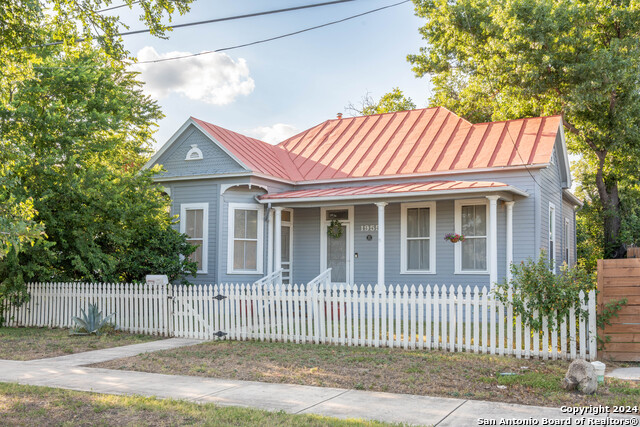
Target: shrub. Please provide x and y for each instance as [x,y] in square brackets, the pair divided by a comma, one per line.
[536,288]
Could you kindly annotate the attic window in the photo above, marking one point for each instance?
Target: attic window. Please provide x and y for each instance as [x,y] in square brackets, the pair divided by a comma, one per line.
[195,153]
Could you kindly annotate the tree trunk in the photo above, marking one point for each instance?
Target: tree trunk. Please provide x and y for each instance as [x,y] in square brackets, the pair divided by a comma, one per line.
[608,192]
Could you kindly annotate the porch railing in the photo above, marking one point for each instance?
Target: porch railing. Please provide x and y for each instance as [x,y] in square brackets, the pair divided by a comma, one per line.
[323,278]
[270,279]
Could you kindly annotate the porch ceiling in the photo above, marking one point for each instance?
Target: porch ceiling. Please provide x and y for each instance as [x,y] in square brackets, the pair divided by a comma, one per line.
[432,188]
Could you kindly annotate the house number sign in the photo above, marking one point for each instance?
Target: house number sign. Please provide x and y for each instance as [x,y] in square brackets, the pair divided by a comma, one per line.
[372,227]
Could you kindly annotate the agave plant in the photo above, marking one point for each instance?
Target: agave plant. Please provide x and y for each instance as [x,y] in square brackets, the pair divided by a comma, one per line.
[91,322]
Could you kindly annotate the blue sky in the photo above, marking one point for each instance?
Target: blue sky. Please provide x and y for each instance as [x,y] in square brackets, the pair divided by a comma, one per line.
[274,89]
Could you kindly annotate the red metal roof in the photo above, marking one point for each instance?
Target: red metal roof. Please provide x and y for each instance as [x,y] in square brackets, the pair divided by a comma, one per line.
[411,142]
[415,187]
[255,154]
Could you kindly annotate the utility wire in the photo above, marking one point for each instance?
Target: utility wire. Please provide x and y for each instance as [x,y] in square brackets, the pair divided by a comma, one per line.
[207,52]
[106,9]
[210,21]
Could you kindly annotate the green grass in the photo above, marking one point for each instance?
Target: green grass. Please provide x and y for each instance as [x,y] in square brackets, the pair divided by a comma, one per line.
[31,405]
[38,343]
[436,373]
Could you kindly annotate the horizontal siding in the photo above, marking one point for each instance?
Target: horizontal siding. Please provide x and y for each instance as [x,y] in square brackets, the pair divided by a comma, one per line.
[306,244]
[551,192]
[214,160]
[200,192]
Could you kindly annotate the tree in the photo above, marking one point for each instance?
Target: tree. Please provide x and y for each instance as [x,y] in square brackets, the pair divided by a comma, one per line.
[84,128]
[74,130]
[389,102]
[494,60]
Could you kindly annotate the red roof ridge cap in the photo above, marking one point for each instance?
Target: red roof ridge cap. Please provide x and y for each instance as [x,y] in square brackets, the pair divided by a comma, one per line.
[517,120]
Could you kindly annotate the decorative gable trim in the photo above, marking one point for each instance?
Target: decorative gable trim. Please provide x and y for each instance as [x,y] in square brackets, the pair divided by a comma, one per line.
[179,133]
[194,153]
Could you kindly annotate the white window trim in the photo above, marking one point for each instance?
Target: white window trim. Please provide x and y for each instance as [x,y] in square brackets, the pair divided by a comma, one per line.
[567,246]
[230,228]
[552,233]
[432,237]
[290,224]
[184,207]
[350,239]
[458,229]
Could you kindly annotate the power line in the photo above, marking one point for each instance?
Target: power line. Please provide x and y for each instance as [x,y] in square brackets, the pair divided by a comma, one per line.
[273,38]
[211,21]
[117,7]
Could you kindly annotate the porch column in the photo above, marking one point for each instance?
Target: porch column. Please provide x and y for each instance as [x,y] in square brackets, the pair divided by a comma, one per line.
[509,237]
[493,239]
[270,241]
[277,241]
[381,281]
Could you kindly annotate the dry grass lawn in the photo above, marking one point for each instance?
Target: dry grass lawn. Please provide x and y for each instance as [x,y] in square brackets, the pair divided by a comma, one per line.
[38,343]
[435,373]
[42,406]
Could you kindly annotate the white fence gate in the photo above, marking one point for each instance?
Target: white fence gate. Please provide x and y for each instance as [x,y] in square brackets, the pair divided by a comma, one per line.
[423,317]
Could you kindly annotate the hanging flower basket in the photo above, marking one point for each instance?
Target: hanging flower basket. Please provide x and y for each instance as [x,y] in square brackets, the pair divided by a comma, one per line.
[454,238]
[334,229]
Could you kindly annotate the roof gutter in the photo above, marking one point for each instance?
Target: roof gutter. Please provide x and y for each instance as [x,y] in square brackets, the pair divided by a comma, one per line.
[507,188]
[572,198]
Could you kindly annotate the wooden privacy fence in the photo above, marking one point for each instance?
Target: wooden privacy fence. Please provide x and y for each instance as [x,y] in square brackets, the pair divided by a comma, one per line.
[617,279]
[423,317]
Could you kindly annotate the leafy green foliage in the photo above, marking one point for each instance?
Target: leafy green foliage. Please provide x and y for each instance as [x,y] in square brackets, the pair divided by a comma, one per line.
[91,321]
[89,128]
[608,311]
[389,102]
[536,289]
[504,59]
[74,131]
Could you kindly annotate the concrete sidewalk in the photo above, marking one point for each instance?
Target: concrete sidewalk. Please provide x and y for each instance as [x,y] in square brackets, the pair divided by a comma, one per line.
[104,355]
[341,403]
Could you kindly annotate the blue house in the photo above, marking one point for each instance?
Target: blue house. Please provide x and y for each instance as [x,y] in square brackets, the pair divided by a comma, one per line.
[372,198]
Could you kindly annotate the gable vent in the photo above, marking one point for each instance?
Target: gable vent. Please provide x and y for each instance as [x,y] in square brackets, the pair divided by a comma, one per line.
[195,153]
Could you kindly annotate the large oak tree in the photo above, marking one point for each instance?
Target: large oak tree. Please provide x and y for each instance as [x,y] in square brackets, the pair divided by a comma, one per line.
[502,59]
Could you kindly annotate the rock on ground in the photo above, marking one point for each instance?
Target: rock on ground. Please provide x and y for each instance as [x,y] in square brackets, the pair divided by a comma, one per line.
[581,376]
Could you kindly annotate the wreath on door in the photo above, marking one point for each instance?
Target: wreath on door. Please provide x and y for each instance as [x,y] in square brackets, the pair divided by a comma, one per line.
[334,229]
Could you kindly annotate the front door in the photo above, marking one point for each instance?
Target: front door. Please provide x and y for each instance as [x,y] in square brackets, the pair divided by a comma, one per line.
[337,252]
[337,256]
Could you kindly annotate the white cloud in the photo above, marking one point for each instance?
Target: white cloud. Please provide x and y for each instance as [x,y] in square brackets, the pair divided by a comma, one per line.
[213,78]
[273,134]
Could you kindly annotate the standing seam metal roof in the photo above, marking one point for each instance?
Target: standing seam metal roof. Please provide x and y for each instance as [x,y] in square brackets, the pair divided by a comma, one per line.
[427,140]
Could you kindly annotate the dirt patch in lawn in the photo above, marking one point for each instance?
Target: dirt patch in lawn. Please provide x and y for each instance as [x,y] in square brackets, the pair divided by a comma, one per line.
[435,373]
[32,406]
[39,343]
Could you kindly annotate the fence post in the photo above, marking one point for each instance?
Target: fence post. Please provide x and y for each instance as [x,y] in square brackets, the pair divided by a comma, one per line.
[593,345]
[160,284]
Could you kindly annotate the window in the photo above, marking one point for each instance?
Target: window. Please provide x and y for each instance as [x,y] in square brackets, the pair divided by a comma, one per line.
[471,221]
[194,220]
[565,239]
[245,239]
[552,237]
[417,228]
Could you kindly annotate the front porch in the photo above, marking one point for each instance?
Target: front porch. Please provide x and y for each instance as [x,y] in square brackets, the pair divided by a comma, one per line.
[393,238]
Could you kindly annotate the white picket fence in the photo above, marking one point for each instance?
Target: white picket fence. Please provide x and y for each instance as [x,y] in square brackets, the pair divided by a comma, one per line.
[138,307]
[422,317]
